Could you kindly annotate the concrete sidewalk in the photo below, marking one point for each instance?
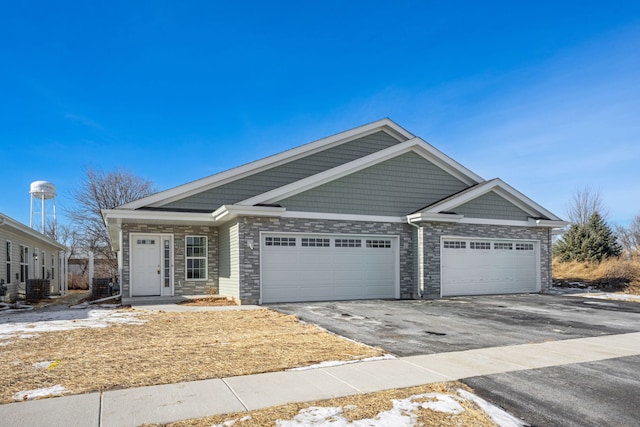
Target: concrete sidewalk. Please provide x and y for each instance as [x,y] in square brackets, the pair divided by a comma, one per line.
[173,402]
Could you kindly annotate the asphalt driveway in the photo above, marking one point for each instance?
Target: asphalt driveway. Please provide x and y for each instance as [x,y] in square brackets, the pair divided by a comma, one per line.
[602,393]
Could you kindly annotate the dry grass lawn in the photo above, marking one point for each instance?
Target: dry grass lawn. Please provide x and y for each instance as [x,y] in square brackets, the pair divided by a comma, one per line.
[608,272]
[358,407]
[170,348]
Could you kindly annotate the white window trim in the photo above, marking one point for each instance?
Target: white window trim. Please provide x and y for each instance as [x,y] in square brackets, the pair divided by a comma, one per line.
[8,259]
[26,264]
[206,259]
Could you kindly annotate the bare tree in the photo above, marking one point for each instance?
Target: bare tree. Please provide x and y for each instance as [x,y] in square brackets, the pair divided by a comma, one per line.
[103,190]
[629,237]
[584,203]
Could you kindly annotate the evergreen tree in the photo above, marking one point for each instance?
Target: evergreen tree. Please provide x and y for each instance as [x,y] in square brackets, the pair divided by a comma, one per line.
[592,241]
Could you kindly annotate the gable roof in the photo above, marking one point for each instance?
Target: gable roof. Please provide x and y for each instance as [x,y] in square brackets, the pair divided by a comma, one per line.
[385,125]
[415,145]
[442,210]
[6,221]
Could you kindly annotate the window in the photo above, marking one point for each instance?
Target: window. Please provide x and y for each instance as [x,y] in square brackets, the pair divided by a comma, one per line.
[8,260]
[503,246]
[455,244]
[166,256]
[314,242]
[196,257]
[378,243]
[146,241]
[480,245]
[280,241]
[24,264]
[44,265]
[348,243]
[524,246]
[53,267]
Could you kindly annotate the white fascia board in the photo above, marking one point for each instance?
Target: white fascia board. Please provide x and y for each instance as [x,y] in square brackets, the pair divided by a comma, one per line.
[227,212]
[123,215]
[487,221]
[257,166]
[433,217]
[415,145]
[341,217]
[7,221]
[533,222]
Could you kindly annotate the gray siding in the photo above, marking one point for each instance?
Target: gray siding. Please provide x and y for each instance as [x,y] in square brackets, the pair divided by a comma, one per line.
[395,187]
[229,283]
[491,206]
[285,174]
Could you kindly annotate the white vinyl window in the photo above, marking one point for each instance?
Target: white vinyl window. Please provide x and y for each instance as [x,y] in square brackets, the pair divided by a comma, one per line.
[280,241]
[524,246]
[378,243]
[348,243]
[480,245]
[312,242]
[24,264]
[8,260]
[503,246]
[196,257]
[53,267]
[455,244]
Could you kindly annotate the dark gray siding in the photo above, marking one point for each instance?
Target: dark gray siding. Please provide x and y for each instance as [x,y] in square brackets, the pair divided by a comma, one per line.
[395,187]
[491,206]
[285,174]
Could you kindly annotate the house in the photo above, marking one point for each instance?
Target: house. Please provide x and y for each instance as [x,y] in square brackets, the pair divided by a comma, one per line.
[28,254]
[372,212]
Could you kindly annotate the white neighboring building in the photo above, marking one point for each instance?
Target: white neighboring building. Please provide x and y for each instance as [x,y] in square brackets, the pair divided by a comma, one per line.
[28,254]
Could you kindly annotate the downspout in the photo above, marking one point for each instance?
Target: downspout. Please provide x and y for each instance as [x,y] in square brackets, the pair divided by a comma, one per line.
[420,256]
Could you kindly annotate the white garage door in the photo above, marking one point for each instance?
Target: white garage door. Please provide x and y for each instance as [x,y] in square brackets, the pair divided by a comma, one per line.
[489,266]
[320,267]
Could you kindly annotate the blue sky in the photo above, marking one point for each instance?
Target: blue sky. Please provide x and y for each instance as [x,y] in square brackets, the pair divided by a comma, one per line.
[545,95]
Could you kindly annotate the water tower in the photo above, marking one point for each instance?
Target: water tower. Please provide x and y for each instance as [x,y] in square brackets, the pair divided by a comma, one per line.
[41,191]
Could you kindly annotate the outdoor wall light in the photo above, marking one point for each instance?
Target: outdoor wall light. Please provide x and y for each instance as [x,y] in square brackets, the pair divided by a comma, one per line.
[35,256]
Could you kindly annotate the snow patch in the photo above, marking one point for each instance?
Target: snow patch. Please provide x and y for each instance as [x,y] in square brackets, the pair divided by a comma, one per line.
[30,324]
[56,390]
[331,363]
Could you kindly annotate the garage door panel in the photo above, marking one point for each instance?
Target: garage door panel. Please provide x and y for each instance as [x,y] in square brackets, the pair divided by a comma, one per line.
[347,269]
[500,266]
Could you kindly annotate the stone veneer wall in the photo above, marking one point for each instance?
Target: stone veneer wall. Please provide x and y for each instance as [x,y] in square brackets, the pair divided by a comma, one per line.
[432,231]
[249,234]
[181,285]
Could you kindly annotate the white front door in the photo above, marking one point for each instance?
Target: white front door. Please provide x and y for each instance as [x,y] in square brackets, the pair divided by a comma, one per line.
[151,265]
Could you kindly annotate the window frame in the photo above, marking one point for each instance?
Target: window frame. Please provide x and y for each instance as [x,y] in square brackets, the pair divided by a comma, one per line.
[24,264]
[8,260]
[203,258]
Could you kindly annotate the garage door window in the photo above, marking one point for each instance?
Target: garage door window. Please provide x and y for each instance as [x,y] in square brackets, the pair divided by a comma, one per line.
[454,244]
[280,241]
[315,243]
[503,246]
[348,243]
[378,243]
[480,245]
[524,246]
